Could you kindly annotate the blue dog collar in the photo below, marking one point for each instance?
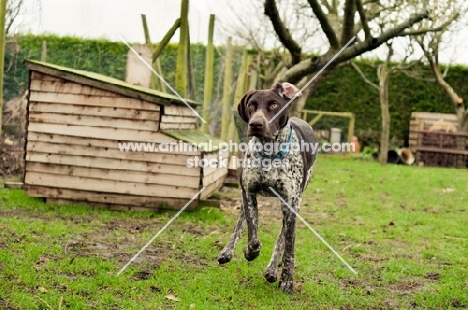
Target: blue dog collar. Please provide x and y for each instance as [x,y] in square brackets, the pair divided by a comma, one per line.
[283,152]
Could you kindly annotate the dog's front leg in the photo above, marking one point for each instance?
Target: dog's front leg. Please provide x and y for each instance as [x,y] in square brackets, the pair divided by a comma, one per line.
[289,225]
[227,253]
[271,271]
[252,250]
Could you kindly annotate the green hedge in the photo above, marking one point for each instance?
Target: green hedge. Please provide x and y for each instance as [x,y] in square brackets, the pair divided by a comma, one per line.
[343,90]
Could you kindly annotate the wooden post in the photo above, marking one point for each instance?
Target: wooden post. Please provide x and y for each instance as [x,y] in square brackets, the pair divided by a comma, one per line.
[156,82]
[3,4]
[241,87]
[209,65]
[167,37]
[44,51]
[190,71]
[351,127]
[226,115]
[182,50]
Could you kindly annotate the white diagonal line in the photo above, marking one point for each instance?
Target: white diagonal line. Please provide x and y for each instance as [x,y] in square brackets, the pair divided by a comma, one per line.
[313,230]
[313,78]
[162,79]
[159,232]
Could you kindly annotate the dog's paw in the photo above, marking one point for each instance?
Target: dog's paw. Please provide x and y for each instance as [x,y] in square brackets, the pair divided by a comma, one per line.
[286,286]
[225,257]
[271,275]
[252,251]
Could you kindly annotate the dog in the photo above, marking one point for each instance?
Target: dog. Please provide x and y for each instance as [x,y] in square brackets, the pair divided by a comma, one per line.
[288,178]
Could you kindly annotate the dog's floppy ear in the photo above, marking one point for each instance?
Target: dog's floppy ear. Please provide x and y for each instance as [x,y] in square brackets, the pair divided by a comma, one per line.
[287,90]
[241,107]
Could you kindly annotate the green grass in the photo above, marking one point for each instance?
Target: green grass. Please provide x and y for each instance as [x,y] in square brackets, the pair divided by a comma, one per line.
[404,229]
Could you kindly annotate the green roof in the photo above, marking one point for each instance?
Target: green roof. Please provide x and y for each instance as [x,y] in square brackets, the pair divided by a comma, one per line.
[197,138]
[107,83]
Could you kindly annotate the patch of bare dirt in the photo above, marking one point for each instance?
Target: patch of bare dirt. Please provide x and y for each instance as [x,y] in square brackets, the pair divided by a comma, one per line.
[406,287]
[5,305]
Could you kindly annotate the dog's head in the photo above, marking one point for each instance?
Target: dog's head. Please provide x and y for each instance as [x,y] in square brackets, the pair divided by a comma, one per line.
[258,107]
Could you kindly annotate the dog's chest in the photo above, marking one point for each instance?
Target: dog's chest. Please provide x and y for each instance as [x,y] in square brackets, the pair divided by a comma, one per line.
[286,178]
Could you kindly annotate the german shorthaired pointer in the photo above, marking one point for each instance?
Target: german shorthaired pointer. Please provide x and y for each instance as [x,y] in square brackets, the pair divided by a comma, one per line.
[288,177]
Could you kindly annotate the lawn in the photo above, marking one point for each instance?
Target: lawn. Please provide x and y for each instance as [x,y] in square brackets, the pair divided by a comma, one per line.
[404,230]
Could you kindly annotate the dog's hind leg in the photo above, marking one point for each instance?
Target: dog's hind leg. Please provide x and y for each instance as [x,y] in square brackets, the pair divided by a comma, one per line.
[227,253]
[271,271]
[252,250]
[289,225]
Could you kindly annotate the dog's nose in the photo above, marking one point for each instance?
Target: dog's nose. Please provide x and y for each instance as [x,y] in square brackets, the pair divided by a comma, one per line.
[256,124]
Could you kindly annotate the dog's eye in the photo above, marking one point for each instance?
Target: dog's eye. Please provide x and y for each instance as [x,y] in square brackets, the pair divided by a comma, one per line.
[251,106]
[274,106]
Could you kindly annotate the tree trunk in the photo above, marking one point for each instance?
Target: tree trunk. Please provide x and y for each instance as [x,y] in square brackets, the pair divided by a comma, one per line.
[456,100]
[301,102]
[462,113]
[385,133]
[3,4]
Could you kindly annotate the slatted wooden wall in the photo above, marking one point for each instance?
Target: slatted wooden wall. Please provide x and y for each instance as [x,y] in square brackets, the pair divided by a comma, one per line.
[423,121]
[213,178]
[73,154]
[178,117]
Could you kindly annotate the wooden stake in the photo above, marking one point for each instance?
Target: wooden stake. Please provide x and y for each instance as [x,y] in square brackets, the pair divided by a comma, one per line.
[226,116]
[209,66]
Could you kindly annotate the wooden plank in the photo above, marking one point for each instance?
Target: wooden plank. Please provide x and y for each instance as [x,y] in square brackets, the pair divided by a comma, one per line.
[116,134]
[108,186]
[178,119]
[117,175]
[440,150]
[213,177]
[109,198]
[14,185]
[106,83]
[213,187]
[77,150]
[67,87]
[168,126]
[92,121]
[120,102]
[213,156]
[178,110]
[72,109]
[109,163]
[443,133]
[434,116]
[44,77]
[160,143]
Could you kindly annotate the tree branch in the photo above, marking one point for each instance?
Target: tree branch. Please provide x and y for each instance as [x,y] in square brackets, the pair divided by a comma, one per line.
[325,24]
[348,21]
[356,67]
[307,66]
[364,23]
[328,6]
[271,10]
[419,32]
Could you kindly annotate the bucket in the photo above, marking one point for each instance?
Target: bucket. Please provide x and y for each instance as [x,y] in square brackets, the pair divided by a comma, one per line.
[335,136]
[393,157]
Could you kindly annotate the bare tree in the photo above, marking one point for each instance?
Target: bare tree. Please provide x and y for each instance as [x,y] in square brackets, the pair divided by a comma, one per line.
[384,71]
[451,15]
[373,22]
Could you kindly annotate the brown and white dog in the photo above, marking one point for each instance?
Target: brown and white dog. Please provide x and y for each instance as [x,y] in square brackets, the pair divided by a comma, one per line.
[289,177]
